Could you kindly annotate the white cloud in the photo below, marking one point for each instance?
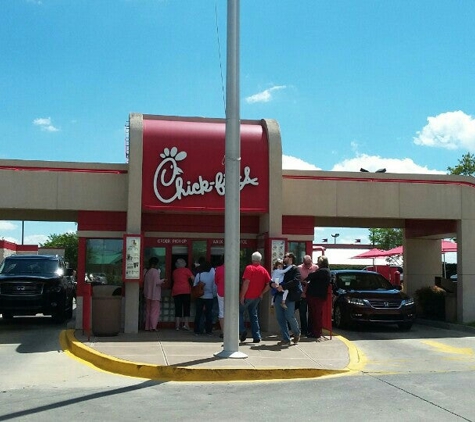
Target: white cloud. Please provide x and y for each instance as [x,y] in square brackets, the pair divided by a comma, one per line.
[368,162]
[264,96]
[7,226]
[35,239]
[45,124]
[375,162]
[294,163]
[451,130]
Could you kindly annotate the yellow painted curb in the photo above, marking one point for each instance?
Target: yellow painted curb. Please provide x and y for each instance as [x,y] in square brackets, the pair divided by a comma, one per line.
[357,358]
[69,343]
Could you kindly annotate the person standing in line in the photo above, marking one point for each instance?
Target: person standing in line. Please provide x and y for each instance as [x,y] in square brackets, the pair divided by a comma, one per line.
[317,295]
[305,269]
[219,280]
[152,290]
[286,316]
[255,284]
[199,265]
[204,304]
[181,289]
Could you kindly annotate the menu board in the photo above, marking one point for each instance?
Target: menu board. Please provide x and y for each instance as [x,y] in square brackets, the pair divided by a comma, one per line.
[132,257]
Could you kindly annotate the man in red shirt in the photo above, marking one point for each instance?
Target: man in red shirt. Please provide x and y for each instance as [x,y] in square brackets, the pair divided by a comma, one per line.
[255,284]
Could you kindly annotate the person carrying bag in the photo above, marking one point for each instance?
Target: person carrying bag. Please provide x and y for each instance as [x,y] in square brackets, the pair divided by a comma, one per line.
[204,299]
[198,288]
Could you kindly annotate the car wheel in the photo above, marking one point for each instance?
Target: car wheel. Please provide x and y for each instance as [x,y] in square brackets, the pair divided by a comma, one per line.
[338,317]
[7,315]
[405,326]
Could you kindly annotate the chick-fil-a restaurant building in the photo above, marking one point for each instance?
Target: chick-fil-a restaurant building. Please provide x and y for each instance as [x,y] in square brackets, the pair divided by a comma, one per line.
[175,196]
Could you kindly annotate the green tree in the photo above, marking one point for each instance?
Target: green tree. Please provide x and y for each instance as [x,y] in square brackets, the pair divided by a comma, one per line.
[385,238]
[69,242]
[465,167]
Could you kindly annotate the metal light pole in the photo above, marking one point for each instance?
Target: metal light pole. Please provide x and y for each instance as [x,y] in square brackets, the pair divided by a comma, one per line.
[232,206]
[334,237]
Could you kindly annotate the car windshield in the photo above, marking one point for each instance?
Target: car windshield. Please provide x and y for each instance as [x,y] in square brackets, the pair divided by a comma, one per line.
[28,266]
[363,281]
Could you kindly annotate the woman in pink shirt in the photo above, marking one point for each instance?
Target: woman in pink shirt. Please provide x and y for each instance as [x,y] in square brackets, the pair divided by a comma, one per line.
[181,289]
[152,290]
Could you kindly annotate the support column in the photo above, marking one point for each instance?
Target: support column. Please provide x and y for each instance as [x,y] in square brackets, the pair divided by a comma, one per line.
[134,215]
[422,263]
[271,223]
[465,271]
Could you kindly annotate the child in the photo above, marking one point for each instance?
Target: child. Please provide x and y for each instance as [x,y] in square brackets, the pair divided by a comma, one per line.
[278,277]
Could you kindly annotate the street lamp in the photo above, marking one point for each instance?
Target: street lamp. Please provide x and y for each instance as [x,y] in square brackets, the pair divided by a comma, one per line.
[335,236]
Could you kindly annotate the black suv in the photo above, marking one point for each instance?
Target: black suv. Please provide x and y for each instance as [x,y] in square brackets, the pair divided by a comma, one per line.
[33,284]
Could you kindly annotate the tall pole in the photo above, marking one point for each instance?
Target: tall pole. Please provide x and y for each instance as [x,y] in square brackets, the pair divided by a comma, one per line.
[232,205]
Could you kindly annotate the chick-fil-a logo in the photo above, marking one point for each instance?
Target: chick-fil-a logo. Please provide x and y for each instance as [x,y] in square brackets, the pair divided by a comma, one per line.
[169,174]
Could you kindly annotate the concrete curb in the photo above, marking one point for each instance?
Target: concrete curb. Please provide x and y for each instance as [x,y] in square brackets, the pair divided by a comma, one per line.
[107,363]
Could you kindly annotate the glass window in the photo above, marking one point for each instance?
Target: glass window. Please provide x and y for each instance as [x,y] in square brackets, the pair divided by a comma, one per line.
[245,258]
[198,250]
[298,249]
[160,253]
[217,252]
[104,261]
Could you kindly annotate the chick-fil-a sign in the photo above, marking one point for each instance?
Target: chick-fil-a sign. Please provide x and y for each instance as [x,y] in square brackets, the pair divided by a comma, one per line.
[183,165]
[169,173]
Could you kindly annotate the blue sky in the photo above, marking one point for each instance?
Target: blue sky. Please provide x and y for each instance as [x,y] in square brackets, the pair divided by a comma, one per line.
[373,84]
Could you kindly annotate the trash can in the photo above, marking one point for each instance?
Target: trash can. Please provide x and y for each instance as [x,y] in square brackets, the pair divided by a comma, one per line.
[106,309]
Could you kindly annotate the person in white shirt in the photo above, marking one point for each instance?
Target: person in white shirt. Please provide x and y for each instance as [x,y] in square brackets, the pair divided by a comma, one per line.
[278,277]
[204,304]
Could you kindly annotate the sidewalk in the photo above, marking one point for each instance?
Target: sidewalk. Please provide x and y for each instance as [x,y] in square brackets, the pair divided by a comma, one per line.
[171,355]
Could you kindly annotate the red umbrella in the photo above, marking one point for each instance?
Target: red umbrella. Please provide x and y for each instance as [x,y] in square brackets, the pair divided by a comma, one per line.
[448,246]
[393,251]
[373,253]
